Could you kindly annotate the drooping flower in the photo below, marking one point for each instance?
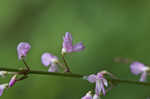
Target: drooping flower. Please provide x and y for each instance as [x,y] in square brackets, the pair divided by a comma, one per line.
[22,49]
[100,81]
[87,96]
[12,81]
[48,59]
[2,88]
[68,47]
[139,68]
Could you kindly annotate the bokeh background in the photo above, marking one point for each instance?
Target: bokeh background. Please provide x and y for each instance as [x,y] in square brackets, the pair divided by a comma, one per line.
[108,29]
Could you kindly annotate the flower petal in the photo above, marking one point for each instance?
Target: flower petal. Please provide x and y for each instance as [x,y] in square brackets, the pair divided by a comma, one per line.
[78,47]
[105,82]
[67,43]
[87,96]
[137,68]
[143,76]
[2,87]
[12,81]
[91,78]
[48,59]
[102,87]
[98,88]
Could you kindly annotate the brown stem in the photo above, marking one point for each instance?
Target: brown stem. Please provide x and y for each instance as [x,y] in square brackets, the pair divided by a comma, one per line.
[66,65]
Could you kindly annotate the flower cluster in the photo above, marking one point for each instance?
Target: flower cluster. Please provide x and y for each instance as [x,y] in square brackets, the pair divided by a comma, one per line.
[47,59]
[22,50]
[52,61]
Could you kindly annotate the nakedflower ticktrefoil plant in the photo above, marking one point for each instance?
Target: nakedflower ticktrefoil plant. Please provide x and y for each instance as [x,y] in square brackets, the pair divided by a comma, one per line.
[51,61]
[22,50]
[139,68]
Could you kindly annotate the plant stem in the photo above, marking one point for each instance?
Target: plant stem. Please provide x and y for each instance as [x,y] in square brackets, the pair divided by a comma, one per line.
[28,68]
[71,75]
[66,65]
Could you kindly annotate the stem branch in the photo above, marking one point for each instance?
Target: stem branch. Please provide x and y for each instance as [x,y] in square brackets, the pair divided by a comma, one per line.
[66,65]
[72,76]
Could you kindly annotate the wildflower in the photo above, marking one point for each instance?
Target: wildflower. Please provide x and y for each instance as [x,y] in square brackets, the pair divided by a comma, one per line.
[139,68]
[23,49]
[3,73]
[12,81]
[48,59]
[68,47]
[100,81]
[87,96]
[2,87]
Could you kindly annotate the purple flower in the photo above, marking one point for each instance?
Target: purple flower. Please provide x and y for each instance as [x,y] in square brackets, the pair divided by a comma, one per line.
[48,59]
[12,81]
[87,96]
[2,87]
[23,49]
[100,81]
[68,47]
[139,68]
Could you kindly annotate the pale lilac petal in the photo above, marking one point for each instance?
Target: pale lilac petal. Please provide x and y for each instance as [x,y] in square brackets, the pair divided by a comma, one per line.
[1,91]
[2,87]
[98,88]
[78,47]
[12,81]
[87,96]
[143,76]
[48,59]
[96,96]
[105,82]
[91,78]
[67,43]
[102,87]
[23,49]
[99,75]
[137,68]
[101,82]
[45,58]
[53,68]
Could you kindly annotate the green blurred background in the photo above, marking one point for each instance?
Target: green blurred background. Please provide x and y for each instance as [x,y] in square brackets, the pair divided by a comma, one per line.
[108,28]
